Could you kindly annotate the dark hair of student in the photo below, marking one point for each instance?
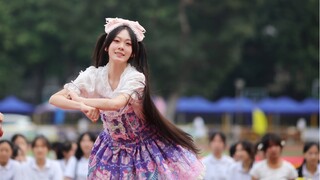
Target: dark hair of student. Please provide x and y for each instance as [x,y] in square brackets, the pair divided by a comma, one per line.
[79,152]
[306,148]
[270,139]
[16,136]
[250,149]
[10,144]
[43,139]
[138,60]
[232,149]
[213,134]
[62,147]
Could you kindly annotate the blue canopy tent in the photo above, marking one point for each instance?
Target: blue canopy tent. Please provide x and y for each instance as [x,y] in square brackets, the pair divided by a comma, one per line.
[230,105]
[282,105]
[310,106]
[11,104]
[194,105]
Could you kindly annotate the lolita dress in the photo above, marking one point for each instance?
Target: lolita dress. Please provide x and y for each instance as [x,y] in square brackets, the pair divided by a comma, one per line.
[129,147]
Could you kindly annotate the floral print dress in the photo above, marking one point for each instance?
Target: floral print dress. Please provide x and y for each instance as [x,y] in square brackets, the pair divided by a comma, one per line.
[129,147]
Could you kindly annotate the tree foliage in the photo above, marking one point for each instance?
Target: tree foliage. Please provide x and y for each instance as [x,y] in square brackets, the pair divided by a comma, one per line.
[194,47]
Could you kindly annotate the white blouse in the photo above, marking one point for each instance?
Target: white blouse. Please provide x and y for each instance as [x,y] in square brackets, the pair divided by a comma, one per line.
[77,169]
[93,82]
[262,171]
[216,169]
[50,171]
[12,170]
[236,172]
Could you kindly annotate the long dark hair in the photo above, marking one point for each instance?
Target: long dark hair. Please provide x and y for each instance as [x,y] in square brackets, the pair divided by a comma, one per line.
[250,149]
[138,60]
[79,153]
[306,148]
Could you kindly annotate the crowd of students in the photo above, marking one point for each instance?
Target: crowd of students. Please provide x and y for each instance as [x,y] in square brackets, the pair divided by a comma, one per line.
[70,159]
[243,164]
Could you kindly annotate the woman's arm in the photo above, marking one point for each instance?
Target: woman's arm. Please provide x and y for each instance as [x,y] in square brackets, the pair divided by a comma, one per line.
[103,103]
[62,100]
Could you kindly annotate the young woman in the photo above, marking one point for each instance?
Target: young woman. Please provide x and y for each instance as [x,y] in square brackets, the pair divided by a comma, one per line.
[9,169]
[23,147]
[137,141]
[217,163]
[273,167]
[77,168]
[240,170]
[310,168]
[41,168]
[64,154]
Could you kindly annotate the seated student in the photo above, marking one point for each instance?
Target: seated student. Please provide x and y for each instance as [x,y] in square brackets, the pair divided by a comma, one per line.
[21,141]
[273,167]
[9,169]
[41,168]
[310,167]
[216,163]
[246,154]
[78,169]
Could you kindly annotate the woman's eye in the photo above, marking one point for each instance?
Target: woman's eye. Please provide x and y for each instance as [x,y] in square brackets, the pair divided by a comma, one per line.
[129,44]
[116,40]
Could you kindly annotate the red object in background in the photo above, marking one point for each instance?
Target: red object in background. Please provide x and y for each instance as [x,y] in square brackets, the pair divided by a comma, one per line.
[294,160]
[1,131]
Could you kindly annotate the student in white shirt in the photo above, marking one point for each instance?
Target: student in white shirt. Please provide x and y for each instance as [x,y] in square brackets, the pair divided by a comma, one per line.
[64,153]
[216,163]
[310,167]
[245,152]
[77,169]
[41,168]
[23,147]
[9,168]
[273,167]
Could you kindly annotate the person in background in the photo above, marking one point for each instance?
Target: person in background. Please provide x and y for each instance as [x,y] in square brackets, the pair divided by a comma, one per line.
[41,168]
[65,153]
[273,167]
[1,120]
[310,167]
[23,148]
[9,168]
[77,169]
[240,170]
[216,163]
[232,152]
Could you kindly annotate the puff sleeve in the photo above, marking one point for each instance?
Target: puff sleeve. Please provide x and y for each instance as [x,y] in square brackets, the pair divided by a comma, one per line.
[84,84]
[133,84]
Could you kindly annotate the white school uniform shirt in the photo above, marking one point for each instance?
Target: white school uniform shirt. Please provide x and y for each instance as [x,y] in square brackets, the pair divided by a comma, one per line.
[262,171]
[64,164]
[216,169]
[77,169]
[11,171]
[50,171]
[306,174]
[236,172]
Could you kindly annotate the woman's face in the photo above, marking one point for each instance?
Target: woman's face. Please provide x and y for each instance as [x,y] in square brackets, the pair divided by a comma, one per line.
[23,145]
[273,152]
[240,153]
[120,48]
[217,145]
[40,150]
[312,155]
[86,145]
[5,153]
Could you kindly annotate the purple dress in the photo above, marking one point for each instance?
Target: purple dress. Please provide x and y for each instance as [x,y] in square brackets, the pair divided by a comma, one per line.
[129,147]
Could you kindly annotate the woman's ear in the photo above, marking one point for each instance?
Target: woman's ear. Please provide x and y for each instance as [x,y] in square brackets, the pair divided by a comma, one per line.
[106,49]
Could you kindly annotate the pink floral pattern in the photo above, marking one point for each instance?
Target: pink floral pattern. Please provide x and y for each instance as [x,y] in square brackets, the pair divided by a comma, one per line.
[130,148]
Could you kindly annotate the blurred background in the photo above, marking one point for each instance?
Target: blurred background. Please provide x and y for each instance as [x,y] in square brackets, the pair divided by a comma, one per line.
[242,67]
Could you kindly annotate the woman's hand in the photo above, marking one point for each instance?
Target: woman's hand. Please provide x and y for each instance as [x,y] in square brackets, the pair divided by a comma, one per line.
[91,112]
